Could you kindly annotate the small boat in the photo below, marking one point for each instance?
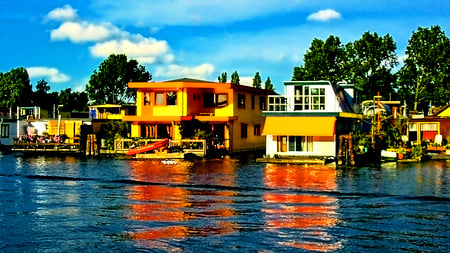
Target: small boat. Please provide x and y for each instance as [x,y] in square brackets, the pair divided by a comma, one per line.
[148,147]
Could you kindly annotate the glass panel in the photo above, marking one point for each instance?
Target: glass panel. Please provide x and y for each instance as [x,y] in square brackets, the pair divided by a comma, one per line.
[292,143]
[222,100]
[171,98]
[159,98]
[208,100]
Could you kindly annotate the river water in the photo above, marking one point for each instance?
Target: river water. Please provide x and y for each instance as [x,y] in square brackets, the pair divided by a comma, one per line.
[66,204]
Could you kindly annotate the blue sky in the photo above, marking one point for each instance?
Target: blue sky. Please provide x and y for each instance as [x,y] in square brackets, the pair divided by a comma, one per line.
[63,42]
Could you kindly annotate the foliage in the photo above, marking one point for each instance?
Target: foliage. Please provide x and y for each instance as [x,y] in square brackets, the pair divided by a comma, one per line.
[425,74]
[257,80]
[109,85]
[15,88]
[369,64]
[324,60]
[42,98]
[113,130]
[268,85]
[223,77]
[235,78]
[73,101]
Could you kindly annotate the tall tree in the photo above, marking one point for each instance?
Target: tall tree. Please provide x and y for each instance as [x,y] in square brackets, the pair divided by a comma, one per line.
[15,88]
[42,98]
[73,101]
[257,80]
[425,74]
[268,84]
[235,78]
[324,60]
[110,83]
[223,77]
[370,62]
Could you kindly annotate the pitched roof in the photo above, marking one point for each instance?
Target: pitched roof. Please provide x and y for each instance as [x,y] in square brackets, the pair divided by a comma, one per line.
[191,80]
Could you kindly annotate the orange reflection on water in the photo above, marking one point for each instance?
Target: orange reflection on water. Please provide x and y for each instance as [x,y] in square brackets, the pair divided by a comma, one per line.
[185,211]
[306,212]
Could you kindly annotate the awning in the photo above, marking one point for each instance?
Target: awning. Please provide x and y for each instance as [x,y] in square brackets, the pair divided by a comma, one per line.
[300,126]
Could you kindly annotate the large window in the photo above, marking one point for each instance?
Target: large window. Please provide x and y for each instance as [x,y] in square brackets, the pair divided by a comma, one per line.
[4,131]
[294,143]
[211,100]
[307,98]
[165,98]
[277,103]
[146,98]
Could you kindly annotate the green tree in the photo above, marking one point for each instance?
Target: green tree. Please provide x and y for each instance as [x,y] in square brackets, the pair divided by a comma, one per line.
[15,88]
[425,74]
[257,80]
[268,85]
[370,61]
[110,83]
[42,98]
[324,60]
[73,101]
[223,77]
[235,78]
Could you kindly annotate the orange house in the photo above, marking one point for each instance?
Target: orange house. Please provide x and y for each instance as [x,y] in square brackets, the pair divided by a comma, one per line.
[228,116]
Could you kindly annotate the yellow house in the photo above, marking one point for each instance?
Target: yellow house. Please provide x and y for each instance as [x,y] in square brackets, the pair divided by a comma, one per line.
[228,116]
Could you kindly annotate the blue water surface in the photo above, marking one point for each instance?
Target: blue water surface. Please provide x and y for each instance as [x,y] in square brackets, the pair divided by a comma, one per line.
[67,204]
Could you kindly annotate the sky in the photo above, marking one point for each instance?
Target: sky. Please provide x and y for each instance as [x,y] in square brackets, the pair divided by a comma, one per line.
[63,42]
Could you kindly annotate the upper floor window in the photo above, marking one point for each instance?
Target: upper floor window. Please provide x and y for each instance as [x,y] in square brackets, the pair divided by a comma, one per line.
[307,98]
[241,101]
[262,103]
[171,98]
[159,98]
[165,98]
[146,98]
[215,100]
[253,101]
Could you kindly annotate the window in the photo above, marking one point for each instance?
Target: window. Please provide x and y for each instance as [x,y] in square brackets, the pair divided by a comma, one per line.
[257,130]
[300,143]
[306,98]
[241,101]
[208,100]
[171,98]
[277,103]
[318,98]
[146,98]
[262,103]
[159,98]
[294,143]
[243,130]
[221,100]
[4,131]
[253,101]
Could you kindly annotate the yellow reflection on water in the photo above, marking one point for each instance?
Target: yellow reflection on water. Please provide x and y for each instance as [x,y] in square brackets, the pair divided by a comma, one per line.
[309,213]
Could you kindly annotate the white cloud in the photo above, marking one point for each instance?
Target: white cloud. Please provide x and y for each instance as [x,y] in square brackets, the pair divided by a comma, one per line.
[144,50]
[245,80]
[324,15]
[52,74]
[65,13]
[177,71]
[84,32]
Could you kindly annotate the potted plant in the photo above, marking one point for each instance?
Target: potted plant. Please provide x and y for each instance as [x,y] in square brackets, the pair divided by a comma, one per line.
[401,152]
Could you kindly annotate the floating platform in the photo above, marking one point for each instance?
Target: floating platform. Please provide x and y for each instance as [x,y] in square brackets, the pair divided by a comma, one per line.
[298,160]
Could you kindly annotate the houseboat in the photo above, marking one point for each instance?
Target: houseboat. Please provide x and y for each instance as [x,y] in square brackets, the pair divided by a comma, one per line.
[309,121]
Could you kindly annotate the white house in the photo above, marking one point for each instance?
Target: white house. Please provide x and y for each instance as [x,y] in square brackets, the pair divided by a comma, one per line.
[309,119]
